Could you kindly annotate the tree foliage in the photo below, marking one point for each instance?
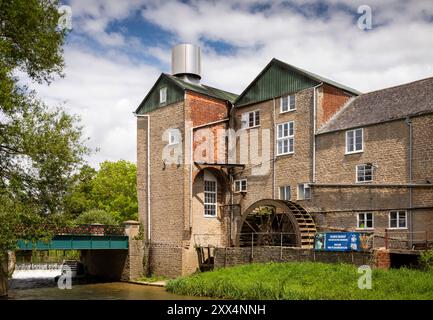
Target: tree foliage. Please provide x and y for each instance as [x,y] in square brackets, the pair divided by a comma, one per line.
[111,189]
[40,147]
[96,216]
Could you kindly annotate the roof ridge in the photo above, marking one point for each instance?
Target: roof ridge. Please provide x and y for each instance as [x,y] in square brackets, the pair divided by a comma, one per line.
[396,86]
[319,77]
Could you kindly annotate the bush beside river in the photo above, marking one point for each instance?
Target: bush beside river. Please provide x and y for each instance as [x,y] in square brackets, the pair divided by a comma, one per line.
[304,281]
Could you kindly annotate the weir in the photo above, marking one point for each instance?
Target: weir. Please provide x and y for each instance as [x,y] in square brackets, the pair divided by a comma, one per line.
[111,253]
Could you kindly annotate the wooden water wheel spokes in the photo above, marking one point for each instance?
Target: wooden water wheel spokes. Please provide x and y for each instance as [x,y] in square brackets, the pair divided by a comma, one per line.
[272,222]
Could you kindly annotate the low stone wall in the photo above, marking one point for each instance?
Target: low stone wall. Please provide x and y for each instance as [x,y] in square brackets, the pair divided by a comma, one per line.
[232,256]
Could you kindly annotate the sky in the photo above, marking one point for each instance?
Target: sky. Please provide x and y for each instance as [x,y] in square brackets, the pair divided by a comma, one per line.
[116,50]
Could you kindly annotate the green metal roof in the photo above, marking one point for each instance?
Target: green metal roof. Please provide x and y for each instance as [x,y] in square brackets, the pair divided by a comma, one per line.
[279,78]
[175,93]
[203,89]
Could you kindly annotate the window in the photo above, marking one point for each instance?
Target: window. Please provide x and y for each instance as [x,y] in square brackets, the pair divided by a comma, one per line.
[285,193]
[365,220]
[163,95]
[285,138]
[241,185]
[251,119]
[354,141]
[287,104]
[210,197]
[304,191]
[397,220]
[173,136]
[364,173]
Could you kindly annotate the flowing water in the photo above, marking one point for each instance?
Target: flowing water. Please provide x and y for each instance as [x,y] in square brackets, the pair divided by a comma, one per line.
[40,284]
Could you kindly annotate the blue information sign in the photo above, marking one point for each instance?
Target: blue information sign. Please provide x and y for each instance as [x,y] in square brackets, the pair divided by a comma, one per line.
[337,241]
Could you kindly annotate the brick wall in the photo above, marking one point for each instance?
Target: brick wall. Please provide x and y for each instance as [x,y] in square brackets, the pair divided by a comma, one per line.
[205,109]
[169,252]
[330,101]
[167,189]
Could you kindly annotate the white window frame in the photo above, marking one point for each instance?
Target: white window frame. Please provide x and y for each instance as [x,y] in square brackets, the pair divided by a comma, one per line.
[162,95]
[304,186]
[210,178]
[239,182]
[398,219]
[289,98]
[246,119]
[289,137]
[284,189]
[354,142]
[173,134]
[365,219]
[363,165]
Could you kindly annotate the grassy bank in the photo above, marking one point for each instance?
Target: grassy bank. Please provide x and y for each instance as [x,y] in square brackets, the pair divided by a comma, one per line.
[304,280]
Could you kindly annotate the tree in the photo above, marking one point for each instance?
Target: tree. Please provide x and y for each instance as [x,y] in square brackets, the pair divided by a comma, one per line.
[112,189]
[40,148]
[96,216]
[78,198]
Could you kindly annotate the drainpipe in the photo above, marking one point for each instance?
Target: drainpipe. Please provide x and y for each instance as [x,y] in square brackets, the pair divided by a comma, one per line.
[314,130]
[273,148]
[148,174]
[191,139]
[229,144]
[409,124]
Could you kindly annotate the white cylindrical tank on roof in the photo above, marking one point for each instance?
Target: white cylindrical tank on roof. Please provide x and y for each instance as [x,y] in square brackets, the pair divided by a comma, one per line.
[186,62]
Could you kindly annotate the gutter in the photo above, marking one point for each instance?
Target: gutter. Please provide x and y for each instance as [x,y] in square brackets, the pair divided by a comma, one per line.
[371,185]
[148,174]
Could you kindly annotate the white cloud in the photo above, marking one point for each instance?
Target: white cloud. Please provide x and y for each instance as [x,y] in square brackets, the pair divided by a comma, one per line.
[333,47]
[105,87]
[104,92]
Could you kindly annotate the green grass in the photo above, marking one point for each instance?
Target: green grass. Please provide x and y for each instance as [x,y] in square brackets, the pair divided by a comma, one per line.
[304,281]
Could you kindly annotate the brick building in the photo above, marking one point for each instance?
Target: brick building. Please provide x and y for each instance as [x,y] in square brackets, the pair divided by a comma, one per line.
[293,154]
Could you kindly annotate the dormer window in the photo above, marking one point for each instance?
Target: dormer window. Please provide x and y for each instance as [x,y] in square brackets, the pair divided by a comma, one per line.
[287,104]
[163,95]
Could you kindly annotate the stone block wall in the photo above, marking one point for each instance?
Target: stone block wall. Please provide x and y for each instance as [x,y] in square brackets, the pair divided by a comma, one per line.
[229,257]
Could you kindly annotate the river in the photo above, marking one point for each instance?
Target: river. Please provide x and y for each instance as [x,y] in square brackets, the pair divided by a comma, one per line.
[40,285]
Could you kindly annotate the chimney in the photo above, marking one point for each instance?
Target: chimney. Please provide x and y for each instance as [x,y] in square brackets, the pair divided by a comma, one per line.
[186,62]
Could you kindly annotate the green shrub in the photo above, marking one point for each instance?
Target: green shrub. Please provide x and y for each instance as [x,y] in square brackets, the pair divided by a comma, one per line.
[426,259]
[96,216]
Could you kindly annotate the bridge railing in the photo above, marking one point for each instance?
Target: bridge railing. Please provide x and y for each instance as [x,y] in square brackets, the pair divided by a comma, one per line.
[86,229]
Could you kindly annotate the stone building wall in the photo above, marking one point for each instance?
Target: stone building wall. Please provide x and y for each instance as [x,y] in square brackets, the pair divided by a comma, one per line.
[290,169]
